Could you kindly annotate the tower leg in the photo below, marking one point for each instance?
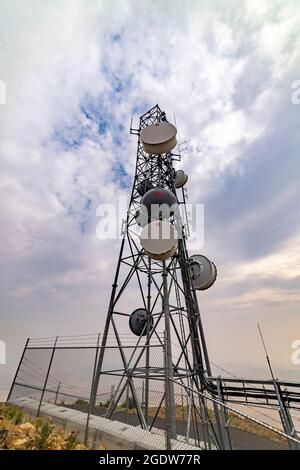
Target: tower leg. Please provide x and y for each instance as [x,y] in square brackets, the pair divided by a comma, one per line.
[169,385]
[104,339]
[146,402]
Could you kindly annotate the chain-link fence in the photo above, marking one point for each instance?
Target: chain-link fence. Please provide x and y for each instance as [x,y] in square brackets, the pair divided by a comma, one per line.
[55,379]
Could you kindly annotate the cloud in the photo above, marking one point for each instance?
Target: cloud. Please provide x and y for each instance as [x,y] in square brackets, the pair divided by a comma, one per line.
[75,73]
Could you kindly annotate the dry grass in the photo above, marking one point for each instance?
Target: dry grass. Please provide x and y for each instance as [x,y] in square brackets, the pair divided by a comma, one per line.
[19,431]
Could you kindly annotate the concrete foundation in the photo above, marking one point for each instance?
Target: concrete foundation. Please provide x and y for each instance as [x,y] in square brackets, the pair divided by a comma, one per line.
[102,432]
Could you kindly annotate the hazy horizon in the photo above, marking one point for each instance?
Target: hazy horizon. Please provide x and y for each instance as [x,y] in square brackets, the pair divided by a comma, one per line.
[75,73]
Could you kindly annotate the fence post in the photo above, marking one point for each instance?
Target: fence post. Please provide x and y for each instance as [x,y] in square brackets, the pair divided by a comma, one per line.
[90,403]
[127,402]
[57,392]
[189,411]
[47,376]
[182,405]
[17,371]
[143,395]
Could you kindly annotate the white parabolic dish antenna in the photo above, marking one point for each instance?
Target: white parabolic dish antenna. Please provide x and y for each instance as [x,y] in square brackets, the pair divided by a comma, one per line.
[159,138]
[159,240]
[203,272]
[180,179]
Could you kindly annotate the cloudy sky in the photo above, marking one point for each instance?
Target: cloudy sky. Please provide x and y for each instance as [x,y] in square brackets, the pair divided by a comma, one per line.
[75,73]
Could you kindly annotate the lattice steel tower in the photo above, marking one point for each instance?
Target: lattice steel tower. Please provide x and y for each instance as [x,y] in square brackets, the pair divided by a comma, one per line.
[154,298]
[166,343]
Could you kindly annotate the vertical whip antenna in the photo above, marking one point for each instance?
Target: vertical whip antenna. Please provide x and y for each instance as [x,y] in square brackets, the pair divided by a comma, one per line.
[266,352]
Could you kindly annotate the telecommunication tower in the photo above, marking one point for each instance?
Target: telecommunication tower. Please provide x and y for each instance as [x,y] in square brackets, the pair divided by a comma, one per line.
[154,261]
[154,296]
